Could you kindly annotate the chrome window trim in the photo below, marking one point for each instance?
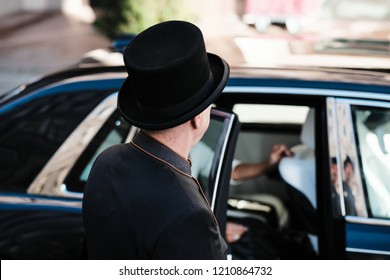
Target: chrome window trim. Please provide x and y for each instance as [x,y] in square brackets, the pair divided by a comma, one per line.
[366,251]
[50,181]
[367,221]
[64,191]
[309,91]
[373,103]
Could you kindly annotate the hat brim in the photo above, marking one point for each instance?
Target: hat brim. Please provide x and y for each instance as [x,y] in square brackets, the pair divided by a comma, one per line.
[128,108]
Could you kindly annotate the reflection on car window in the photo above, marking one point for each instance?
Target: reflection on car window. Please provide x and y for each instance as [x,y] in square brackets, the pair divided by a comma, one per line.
[113,138]
[349,170]
[202,156]
[114,131]
[372,126]
[32,130]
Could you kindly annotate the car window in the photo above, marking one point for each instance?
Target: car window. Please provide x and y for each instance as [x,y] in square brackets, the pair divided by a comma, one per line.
[114,131]
[372,129]
[202,156]
[50,180]
[205,155]
[349,181]
[264,125]
[34,127]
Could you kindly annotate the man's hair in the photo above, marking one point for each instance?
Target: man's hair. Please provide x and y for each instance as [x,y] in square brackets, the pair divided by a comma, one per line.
[348,161]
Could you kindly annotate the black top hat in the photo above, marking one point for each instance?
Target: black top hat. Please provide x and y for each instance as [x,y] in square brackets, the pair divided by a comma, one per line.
[171,76]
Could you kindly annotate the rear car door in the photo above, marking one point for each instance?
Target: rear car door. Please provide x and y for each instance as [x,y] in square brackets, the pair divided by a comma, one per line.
[363,156]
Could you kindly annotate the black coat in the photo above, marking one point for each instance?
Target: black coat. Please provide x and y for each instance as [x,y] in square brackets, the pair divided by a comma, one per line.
[141,202]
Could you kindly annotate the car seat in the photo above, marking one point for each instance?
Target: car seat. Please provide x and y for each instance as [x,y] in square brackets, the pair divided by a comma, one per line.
[299,171]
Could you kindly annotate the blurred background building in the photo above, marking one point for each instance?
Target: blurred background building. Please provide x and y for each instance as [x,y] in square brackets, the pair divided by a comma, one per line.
[12,6]
[40,36]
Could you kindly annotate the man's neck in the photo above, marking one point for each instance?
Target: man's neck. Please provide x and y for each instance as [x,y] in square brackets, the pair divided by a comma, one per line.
[178,140]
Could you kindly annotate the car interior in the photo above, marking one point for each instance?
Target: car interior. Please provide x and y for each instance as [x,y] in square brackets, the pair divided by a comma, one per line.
[278,208]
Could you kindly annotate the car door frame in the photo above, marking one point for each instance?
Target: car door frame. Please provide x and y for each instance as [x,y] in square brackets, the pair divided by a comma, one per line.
[222,165]
[315,98]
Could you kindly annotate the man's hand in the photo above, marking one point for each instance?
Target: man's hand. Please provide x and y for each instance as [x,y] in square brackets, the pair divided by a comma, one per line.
[278,152]
[234,231]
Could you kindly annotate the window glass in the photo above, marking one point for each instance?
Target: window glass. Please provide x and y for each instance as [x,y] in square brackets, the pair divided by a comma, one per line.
[203,157]
[335,182]
[32,130]
[349,169]
[114,131]
[372,128]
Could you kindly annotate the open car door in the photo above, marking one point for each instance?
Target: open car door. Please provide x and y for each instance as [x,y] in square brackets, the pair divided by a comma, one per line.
[212,160]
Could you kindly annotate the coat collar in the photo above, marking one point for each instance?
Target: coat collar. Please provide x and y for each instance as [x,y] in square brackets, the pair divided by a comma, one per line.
[163,153]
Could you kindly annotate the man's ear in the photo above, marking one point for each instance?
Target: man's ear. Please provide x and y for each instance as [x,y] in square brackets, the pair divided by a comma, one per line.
[195,121]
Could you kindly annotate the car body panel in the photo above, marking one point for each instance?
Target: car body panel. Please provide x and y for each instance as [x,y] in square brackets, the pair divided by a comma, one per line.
[367,237]
[40,227]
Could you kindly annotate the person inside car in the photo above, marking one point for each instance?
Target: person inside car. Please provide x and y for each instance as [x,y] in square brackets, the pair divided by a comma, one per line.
[349,197]
[201,157]
[245,171]
[335,188]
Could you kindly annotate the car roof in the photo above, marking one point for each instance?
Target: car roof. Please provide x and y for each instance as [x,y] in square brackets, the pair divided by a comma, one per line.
[320,74]
[374,80]
[67,75]
[328,81]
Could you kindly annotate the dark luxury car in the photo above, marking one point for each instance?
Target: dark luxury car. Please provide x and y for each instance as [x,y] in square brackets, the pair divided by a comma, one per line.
[330,201]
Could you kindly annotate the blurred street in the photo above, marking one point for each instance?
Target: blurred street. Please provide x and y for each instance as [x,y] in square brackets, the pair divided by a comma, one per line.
[33,44]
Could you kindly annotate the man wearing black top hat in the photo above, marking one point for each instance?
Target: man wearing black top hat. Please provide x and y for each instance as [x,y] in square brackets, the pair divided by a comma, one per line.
[141,201]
